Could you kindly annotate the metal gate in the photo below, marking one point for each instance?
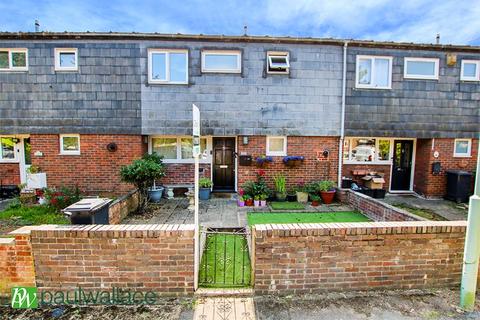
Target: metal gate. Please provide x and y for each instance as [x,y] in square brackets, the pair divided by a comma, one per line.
[225,261]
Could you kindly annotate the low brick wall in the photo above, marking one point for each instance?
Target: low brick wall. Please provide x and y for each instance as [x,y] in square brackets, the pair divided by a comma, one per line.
[303,258]
[157,258]
[375,209]
[16,263]
[122,206]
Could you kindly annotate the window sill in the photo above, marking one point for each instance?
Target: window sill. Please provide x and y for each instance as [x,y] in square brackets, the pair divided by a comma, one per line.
[462,155]
[69,154]
[65,71]
[376,163]
[418,78]
[168,161]
[13,70]
[9,161]
[168,83]
[373,88]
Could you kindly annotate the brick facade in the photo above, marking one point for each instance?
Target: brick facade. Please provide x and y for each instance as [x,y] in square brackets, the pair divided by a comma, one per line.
[434,185]
[314,167]
[183,173]
[9,174]
[353,256]
[96,170]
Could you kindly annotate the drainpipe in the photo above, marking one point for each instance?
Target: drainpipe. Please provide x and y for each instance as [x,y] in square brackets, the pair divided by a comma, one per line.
[472,247]
[342,120]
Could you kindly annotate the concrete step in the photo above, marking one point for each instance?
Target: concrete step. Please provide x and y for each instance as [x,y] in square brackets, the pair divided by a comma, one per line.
[224,292]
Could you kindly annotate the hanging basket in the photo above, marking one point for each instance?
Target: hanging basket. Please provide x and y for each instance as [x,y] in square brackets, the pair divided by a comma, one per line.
[293,161]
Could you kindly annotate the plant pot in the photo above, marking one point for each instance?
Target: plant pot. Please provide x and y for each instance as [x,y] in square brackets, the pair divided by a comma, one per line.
[280,196]
[262,164]
[315,203]
[256,203]
[263,203]
[291,197]
[327,196]
[204,193]
[249,202]
[241,203]
[302,197]
[293,163]
[155,194]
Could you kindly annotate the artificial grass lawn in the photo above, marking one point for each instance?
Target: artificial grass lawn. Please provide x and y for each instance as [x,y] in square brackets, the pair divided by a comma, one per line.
[225,262]
[287,205]
[304,217]
[23,215]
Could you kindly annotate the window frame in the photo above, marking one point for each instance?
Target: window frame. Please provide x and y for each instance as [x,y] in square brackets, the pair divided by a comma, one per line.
[282,153]
[462,155]
[371,85]
[70,152]
[237,53]
[376,160]
[58,52]
[11,68]
[167,53]
[179,159]
[477,75]
[15,152]
[271,54]
[421,77]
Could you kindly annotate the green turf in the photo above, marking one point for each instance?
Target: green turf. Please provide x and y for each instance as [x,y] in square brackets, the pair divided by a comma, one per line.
[225,262]
[39,214]
[304,217]
[287,206]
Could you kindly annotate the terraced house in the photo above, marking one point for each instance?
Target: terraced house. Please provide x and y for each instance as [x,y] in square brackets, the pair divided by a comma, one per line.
[81,105]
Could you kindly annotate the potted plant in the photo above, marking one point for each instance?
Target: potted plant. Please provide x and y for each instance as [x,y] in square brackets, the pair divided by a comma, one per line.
[155,193]
[327,191]
[241,200]
[291,195]
[256,200]
[315,200]
[248,200]
[263,160]
[280,187]
[293,161]
[301,192]
[263,200]
[205,187]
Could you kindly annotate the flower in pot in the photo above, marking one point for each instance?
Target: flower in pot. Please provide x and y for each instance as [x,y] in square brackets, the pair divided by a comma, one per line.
[263,160]
[280,187]
[315,200]
[327,191]
[205,185]
[293,161]
[241,200]
[248,200]
[301,192]
[263,200]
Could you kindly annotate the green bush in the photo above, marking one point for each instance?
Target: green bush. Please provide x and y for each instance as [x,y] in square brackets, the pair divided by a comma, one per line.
[62,197]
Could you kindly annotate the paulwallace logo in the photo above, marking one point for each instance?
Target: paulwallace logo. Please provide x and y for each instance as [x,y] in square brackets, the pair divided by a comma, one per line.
[24,297]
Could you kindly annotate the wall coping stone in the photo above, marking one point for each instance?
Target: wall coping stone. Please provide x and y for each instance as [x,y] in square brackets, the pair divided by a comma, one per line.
[7,241]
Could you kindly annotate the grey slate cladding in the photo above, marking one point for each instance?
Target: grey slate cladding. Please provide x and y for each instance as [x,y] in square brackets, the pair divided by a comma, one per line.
[103,97]
[444,108]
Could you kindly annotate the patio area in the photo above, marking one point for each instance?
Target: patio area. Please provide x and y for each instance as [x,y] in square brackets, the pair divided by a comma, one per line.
[216,212]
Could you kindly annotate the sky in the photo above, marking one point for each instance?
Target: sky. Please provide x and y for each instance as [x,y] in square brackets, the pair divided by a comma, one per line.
[458,22]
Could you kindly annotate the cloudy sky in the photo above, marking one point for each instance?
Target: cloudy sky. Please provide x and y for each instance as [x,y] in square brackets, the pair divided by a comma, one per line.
[457,22]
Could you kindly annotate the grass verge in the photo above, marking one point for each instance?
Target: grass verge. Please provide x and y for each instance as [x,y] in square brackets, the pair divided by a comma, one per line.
[39,214]
[304,217]
[287,206]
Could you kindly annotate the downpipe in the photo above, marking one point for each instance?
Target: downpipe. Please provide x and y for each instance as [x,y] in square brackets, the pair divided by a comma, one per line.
[342,117]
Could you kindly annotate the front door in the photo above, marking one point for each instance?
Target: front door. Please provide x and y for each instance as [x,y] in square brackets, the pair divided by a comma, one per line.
[402,165]
[25,158]
[224,164]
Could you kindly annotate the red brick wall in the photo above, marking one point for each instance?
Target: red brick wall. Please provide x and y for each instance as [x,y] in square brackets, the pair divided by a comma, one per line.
[16,263]
[156,258]
[432,185]
[9,173]
[183,173]
[345,256]
[347,170]
[310,170]
[96,170]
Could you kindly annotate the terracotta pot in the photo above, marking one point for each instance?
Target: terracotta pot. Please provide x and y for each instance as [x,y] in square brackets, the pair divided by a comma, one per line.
[315,203]
[249,202]
[327,196]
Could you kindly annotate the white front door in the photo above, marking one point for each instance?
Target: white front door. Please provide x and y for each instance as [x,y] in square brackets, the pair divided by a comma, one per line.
[25,158]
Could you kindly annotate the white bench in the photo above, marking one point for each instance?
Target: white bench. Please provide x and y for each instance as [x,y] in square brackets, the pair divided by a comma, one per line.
[170,187]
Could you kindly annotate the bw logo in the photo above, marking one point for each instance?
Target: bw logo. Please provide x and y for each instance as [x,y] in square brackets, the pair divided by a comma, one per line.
[24,297]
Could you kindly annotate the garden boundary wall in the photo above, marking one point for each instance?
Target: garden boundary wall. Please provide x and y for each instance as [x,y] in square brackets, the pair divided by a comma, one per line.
[121,207]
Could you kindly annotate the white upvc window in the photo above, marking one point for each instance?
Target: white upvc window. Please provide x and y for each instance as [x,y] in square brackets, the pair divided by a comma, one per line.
[462,148]
[421,68]
[470,70]
[70,144]
[221,61]
[367,150]
[66,59]
[278,62]
[374,72]
[276,146]
[178,149]
[167,66]
[13,59]
[7,149]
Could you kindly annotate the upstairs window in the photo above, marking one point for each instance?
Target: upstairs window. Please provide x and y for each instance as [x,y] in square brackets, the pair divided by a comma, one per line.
[276,146]
[421,68]
[168,66]
[278,62]
[66,59]
[70,144]
[221,61]
[374,72]
[470,70]
[463,148]
[13,59]
[7,149]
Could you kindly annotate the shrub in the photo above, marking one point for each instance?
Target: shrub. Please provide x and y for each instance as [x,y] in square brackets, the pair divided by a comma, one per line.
[326,185]
[142,173]
[62,197]
[205,183]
